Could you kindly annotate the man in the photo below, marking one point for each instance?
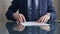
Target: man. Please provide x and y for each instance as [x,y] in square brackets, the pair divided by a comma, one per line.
[41,11]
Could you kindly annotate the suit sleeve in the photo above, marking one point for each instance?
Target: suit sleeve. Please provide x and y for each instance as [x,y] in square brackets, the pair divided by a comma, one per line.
[53,15]
[12,9]
[51,10]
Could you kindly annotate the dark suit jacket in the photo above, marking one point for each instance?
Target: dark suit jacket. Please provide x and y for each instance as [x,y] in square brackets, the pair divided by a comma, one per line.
[46,6]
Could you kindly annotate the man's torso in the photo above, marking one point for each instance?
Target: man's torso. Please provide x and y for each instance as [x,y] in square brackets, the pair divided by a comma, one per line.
[23,8]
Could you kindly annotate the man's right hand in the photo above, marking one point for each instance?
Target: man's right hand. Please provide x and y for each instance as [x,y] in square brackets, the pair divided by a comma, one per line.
[20,18]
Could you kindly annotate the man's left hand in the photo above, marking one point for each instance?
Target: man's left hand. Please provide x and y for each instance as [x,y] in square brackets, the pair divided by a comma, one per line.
[44,18]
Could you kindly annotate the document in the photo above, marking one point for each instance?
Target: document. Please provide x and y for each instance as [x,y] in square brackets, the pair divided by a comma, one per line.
[33,24]
[30,23]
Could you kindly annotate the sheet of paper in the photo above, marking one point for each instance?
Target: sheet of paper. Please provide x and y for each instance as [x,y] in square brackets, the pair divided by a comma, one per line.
[33,24]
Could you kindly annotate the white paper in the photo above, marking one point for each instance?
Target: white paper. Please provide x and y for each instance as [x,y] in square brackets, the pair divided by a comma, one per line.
[33,24]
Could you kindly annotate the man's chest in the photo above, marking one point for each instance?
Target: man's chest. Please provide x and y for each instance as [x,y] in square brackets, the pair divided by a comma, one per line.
[25,3]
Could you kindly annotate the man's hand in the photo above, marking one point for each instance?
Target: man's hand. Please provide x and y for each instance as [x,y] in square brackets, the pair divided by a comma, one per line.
[45,19]
[20,19]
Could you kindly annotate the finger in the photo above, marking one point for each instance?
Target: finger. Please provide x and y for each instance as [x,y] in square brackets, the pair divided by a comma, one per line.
[18,18]
[24,18]
[39,21]
[42,19]
[45,20]
[21,19]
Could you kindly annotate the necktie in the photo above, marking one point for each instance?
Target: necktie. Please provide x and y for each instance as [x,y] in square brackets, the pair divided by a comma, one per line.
[33,5]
